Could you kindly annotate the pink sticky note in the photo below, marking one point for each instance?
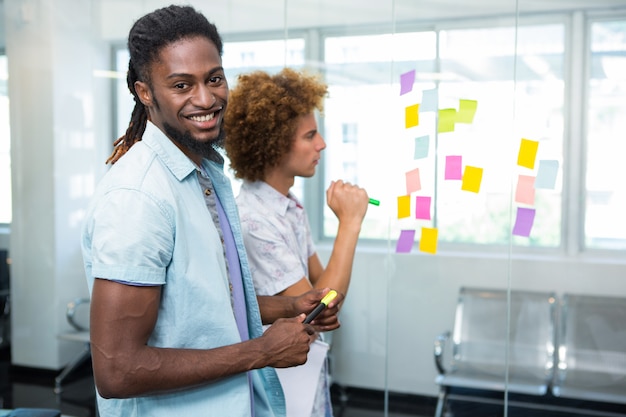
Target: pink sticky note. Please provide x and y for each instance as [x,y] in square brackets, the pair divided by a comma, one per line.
[413,181]
[422,208]
[525,191]
[454,167]
[524,221]
[405,241]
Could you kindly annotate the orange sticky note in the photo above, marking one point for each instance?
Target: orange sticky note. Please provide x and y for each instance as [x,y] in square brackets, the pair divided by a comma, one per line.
[525,191]
[411,116]
[447,118]
[428,241]
[472,177]
[404,206]
[413,181]
[527,153]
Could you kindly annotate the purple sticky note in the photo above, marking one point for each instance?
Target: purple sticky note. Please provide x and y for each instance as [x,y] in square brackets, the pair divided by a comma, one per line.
[454,167]
[524,221]
[406,82]
[405,241]
[422,208]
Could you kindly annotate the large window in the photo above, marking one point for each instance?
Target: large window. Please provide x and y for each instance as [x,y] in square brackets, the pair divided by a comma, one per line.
[515,77]
[515,80]
[605,200]
[5,144]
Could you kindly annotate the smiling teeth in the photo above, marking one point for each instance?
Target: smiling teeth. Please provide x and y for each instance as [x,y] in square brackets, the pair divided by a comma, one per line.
[202,118]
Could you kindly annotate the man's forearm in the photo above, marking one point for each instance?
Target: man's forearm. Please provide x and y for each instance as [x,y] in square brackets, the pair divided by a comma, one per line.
[275,306]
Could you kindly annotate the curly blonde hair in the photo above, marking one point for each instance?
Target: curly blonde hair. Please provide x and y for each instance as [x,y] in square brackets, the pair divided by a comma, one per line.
[262,117]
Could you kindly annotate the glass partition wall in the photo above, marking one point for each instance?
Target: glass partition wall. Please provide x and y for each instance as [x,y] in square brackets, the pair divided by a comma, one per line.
[491,133]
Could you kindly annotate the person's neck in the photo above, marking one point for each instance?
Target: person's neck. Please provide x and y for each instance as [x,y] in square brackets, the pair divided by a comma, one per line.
[280,183]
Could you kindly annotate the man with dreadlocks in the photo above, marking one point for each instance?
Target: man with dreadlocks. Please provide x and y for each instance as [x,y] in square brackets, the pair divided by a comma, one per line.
[176,327]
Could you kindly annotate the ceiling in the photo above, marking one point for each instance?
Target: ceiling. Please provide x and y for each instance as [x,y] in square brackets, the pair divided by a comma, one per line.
[245,16]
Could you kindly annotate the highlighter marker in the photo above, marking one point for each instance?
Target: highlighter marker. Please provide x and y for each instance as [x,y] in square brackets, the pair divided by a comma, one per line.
[374,202]
[321,306]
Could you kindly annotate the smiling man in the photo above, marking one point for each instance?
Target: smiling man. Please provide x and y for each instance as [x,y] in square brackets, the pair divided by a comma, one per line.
[176,326]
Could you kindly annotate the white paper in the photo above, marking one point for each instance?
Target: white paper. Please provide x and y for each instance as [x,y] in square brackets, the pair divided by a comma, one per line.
[300,382]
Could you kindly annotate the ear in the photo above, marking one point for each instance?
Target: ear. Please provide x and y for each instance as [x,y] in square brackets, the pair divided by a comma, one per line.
[143,92]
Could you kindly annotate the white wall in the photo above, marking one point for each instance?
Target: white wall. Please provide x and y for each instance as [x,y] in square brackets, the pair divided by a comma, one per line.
[59,129]
[398,304]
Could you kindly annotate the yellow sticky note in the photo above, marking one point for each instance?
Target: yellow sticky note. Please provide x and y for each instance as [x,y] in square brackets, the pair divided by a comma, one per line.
[467,110]
[447,118]
[472,177]
[411,116]
[527,153]
[428,241]
[404,206]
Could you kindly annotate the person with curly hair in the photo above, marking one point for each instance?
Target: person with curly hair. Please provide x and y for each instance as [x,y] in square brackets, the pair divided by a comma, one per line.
[176,325]
[271,138]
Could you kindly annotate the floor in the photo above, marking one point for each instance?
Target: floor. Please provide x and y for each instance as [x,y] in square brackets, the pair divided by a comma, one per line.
[31,388]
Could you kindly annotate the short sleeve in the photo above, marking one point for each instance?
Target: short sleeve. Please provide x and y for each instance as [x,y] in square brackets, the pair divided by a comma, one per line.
[132,238]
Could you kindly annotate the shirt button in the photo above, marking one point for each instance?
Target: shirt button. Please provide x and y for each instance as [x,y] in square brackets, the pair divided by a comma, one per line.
[207,191]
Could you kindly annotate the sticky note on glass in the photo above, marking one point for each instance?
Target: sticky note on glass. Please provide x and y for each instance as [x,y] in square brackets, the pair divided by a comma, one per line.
[406,82]
[525,190]
[454,167]
[413,182]
[411,116]
[430,101]
[524,221]
[404,206]
[405,241]
[422,207]
[421,147]
[467,110]
[447,118]
[527,153]
[428,241]
[546,174]
[472,177]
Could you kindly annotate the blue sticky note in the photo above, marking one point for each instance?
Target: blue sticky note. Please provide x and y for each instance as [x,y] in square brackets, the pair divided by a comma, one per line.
[421,147]
[430,100]
[406,82]
[546,174]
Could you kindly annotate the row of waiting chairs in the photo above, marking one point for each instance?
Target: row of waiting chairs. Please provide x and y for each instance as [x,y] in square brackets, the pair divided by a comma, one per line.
[534,343]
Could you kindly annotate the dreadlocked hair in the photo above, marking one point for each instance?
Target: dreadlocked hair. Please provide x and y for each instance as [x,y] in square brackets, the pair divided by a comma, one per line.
[147,37]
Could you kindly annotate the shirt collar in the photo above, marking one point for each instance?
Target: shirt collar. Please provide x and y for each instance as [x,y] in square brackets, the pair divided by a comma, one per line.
[268,194]
[173,158]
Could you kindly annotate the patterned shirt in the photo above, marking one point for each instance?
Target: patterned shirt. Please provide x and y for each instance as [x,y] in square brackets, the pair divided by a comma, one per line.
[278,240]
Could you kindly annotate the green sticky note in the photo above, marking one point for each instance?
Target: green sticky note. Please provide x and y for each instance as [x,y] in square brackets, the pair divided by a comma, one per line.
[467,110]
[447,118]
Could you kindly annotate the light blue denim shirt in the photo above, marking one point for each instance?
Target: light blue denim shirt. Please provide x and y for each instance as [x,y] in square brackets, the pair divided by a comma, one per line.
[148,225]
